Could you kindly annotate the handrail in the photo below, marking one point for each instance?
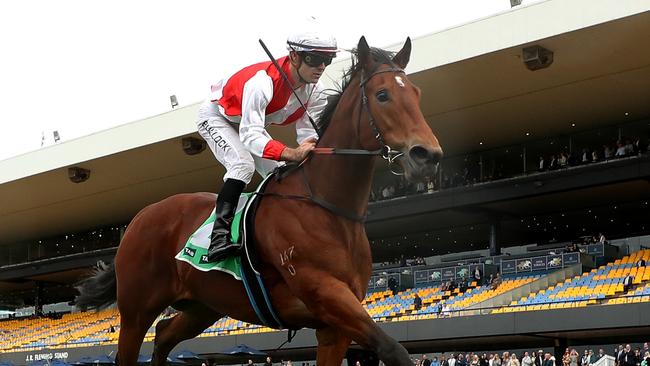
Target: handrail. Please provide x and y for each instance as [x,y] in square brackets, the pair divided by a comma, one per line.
[487,310]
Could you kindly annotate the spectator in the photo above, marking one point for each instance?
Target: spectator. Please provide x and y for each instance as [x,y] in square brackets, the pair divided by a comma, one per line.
[601,354]
[628,282]
[496,281]
[602,239]
[439,314]
[417,303]
[629,147]
[484,360]
[430,185]
[461,360]
[592,357]
[542,164]
[539,358]
[250,363]
[268,362]
[586,156]
[584,361]
[526,360]
[563,160]
[646,359]
[619,355]
[392,285]
[452,360]
[435,362]
[425,360]
[620,150]
[513,360]
[641,263]
[496,361]
[402,261]
[443,360]
[476,361]
[420,187]
[594,156]
[547,360]
[629,357]
[636,146]
[478,276]
[608,152]
[566,358]
[574,357]
[553,164]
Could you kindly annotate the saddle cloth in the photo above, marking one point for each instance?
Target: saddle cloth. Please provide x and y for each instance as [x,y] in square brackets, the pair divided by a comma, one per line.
[241,266]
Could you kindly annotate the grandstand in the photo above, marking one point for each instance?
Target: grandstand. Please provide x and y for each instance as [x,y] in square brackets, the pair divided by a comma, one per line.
[596,287]
[498,204]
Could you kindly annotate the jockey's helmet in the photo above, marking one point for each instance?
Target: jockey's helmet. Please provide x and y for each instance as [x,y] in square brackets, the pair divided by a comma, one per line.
[312,42]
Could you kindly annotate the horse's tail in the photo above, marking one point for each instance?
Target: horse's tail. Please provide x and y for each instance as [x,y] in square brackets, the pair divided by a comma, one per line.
[98,291]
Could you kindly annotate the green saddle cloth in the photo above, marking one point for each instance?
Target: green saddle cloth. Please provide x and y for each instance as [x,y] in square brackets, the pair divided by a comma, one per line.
[195,251]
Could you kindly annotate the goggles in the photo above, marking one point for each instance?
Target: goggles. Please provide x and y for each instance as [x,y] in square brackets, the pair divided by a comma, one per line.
[316,59]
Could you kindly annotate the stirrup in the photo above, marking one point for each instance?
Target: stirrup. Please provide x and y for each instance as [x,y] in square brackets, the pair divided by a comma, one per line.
[223,251]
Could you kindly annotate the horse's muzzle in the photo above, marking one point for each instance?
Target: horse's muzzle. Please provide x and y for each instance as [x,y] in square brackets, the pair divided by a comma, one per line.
[422,162]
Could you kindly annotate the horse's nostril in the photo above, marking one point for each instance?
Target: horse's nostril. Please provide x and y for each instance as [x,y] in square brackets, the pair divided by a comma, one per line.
[422,155]
[419,154]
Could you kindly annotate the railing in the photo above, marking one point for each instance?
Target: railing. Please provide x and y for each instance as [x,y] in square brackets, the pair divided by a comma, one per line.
[489,310]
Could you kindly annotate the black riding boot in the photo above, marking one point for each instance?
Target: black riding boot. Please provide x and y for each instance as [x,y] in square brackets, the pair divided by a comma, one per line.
[220,245]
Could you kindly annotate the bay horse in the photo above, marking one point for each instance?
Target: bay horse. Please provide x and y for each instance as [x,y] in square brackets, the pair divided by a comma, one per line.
[322,284]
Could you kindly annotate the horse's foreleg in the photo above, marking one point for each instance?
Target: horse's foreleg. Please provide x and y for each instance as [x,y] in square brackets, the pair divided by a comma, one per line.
[331,347]
[334,303]
[185,325]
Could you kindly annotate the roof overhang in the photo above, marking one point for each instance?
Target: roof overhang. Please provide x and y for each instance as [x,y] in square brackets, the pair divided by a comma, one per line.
[475,88]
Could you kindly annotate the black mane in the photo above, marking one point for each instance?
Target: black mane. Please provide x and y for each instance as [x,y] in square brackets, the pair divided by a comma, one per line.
[381,57]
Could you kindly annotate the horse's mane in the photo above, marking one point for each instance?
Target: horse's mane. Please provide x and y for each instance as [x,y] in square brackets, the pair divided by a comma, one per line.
[381,57]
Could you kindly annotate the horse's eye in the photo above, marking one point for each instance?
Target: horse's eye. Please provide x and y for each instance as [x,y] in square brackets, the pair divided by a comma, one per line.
[382,96]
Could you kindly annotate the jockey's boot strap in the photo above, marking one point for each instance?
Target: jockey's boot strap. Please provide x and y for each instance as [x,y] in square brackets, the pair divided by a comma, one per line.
[220,244]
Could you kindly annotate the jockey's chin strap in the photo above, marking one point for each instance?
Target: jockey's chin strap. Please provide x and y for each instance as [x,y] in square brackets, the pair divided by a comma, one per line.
[386,152]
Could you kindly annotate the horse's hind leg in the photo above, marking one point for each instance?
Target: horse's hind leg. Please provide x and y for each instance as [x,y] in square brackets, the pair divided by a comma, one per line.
[332,346]
[133,328]
[185,325]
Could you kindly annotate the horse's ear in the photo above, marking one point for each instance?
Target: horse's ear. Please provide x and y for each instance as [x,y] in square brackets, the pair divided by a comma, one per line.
[402,57]
[363,51]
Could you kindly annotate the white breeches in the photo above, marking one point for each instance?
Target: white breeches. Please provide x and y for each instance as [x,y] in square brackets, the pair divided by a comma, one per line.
[223,139]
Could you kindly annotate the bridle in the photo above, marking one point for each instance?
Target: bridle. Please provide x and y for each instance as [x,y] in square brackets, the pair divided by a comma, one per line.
[385,151]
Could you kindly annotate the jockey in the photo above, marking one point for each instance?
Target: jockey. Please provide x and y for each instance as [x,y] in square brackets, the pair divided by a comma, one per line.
[233,122]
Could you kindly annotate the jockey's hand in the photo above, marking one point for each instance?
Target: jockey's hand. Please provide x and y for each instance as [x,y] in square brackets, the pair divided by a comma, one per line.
[300,153]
